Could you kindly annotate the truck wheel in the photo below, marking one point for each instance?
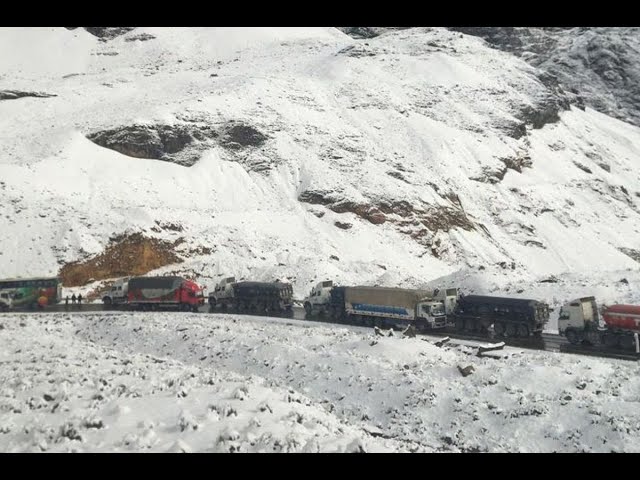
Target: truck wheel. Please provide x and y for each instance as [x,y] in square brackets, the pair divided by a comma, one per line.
[512,330]
[499,328]
[572,336]
[107,301]
[307,308]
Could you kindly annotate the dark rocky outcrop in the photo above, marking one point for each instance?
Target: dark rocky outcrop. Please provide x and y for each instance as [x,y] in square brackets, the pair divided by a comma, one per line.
[143,37]
[105,33]
[15,94]
[183,143]
[368,32]
[239,135]
[631,253]
[179,144]
[420,222]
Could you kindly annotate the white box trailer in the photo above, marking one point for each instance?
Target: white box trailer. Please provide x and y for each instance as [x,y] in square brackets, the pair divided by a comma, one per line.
[395,306]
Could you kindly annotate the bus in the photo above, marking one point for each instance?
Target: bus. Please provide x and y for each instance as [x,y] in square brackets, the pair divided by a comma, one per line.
[32,292]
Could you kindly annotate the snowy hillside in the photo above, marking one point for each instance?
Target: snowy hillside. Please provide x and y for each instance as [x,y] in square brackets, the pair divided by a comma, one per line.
[305,154]
[598,63]
[194,383]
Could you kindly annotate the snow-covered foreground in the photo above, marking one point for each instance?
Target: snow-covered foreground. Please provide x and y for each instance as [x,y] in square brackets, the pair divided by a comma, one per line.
[188,382]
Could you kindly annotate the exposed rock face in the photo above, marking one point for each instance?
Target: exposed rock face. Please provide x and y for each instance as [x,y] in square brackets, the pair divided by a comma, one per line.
[241,135]
[15,94]
[143,37]
[630,252]
[420,222]
[133,254]
[106,33]
[517,163]
[368,32]
[179,144]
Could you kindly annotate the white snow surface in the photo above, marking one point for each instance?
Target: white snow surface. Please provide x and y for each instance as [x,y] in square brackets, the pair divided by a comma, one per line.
[340,114]
[228,383]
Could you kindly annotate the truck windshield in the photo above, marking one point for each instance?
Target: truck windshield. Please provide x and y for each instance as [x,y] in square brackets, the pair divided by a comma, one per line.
[437,310]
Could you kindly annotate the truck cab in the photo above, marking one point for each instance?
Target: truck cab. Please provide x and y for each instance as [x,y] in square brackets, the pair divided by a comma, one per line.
[432,313]
[223,290]
[117,293]
[578,318]
[319,298]
[6,301]
[448,296]
[580,313]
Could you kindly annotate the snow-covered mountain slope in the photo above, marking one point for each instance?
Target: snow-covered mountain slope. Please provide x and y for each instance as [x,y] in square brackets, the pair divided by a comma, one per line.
[395,160]
[598,63]
[185,383]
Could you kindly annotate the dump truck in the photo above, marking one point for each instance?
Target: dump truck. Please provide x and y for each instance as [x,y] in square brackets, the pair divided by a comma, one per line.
[580,322]
[513,317]
[381,306]
[251,296]
[170,292]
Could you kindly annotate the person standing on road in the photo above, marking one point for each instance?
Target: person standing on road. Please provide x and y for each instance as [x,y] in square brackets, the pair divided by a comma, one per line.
[79,298]
[73,299]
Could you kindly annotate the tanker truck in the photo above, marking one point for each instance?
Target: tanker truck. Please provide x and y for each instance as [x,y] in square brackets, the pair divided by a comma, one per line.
[579,323]
[252,296]
[380,306]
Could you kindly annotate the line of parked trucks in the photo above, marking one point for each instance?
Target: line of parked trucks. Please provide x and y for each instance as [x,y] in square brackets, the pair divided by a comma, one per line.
[424,309]
[427,309]
[154,293]
[579,320]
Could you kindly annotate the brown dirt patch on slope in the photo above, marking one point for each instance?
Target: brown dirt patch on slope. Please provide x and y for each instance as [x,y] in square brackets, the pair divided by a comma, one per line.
[133,254]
